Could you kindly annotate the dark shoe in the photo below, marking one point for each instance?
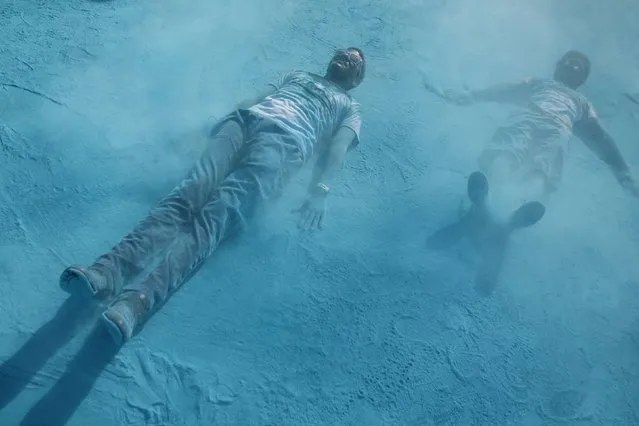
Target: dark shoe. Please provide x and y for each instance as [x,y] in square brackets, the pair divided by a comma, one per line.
[477,188]
[85,282]
[125,316]
[527,215]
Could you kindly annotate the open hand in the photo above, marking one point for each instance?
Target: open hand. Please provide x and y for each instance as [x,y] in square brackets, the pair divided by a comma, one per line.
[312,212]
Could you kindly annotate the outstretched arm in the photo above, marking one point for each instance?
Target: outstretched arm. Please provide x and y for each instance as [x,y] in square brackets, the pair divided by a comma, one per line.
[595,137]
[512,93]
[330,160]
[502,93]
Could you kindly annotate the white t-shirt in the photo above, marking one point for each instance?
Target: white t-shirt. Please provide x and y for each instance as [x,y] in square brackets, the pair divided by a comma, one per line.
[552,108]
[310,108]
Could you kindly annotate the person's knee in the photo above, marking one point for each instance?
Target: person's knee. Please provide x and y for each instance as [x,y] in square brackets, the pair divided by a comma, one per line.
[181,204]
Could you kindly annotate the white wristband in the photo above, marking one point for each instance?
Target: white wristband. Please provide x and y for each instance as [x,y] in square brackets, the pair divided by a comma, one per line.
[323,188]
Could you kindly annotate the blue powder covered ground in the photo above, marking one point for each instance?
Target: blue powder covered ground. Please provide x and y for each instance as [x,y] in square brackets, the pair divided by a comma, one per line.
[102,109]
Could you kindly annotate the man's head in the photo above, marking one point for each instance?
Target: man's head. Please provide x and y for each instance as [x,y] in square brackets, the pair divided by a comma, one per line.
[347,68]
[572,69]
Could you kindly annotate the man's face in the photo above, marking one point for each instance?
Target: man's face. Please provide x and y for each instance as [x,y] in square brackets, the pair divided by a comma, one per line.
[571,71]
[346,67]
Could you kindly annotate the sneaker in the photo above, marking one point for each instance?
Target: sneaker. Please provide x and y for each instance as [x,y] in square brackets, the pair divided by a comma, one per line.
[477,188]
[85,282]
[125,315]
[527,215]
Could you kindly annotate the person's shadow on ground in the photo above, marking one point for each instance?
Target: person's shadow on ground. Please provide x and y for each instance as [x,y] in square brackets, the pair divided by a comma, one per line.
[63,399]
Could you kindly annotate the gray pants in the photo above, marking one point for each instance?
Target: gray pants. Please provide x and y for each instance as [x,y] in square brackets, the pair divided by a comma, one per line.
[249,161]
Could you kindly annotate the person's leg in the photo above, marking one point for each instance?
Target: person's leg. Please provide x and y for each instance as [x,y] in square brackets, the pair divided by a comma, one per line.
[262,172]
[534,186]
[500,161]
[524,163]
[151,237]
[544,170]
[498,166]
[504,153]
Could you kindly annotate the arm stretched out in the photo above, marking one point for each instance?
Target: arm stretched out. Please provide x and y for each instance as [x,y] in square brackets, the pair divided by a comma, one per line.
[329,161]
[510,93]
[595,137]
[331,158]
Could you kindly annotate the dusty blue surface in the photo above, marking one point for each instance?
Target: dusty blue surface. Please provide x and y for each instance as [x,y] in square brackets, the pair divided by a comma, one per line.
[101,108]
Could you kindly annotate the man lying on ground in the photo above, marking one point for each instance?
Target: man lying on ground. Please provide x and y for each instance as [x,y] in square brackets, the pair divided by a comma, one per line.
[524,160]
[251,156]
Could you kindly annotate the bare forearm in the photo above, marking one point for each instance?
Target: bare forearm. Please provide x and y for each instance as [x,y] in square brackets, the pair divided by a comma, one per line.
[503,93]
[326,167]
[612,156]
[492,94]
[604,146]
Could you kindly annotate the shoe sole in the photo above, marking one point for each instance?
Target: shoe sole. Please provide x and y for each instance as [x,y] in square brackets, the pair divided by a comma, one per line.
[527,215]
[477,188]
[75,282]
[113,328]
